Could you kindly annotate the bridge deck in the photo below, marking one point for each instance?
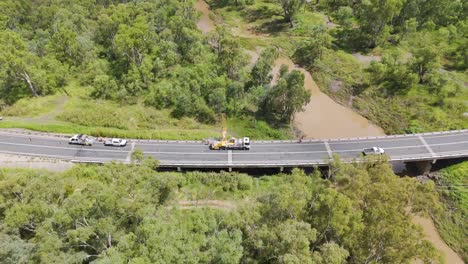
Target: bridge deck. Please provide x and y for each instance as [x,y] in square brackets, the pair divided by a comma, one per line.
[429,146]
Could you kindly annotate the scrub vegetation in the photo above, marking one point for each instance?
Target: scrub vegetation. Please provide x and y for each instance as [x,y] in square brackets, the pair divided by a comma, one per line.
[131,214]
[124,64]
[452,223]
[142,69]
[402,64]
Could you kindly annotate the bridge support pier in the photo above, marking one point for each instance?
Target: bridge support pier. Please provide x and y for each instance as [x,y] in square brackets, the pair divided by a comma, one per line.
[230,169]
[281,169]
[179,169]
[420,167]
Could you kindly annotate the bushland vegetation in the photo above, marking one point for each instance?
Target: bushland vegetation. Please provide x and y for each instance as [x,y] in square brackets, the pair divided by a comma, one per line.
[145,53]
[402,64]
[130,214]
[452,223]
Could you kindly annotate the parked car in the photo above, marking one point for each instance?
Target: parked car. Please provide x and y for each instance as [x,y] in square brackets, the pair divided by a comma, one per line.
[373,151]
[81,139]
[116,142]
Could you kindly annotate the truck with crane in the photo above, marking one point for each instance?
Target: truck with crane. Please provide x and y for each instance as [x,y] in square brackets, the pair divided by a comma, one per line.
[231,144]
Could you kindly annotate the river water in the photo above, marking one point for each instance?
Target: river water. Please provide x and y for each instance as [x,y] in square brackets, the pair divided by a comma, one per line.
[323,117]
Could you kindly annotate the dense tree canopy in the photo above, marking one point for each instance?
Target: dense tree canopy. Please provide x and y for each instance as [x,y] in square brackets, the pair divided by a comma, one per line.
[127,51]
[129,214]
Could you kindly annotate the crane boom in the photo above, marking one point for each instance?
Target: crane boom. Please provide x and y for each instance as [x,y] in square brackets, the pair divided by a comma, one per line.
[223,124]
[232,143]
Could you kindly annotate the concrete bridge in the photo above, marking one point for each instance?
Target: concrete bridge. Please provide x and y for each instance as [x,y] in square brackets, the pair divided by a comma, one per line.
[423,149]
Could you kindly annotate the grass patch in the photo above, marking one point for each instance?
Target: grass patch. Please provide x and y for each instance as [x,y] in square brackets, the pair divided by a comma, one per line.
[225,186]
[127,117]
[338,66]
[262,24]
[109,119]
[69,128]
[29,107]
[452,222]
[256,129]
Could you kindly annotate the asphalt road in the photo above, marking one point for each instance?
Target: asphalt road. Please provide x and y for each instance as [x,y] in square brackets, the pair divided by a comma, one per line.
[451,144]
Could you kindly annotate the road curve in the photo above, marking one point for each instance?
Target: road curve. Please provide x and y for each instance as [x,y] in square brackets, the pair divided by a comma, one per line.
[428,146]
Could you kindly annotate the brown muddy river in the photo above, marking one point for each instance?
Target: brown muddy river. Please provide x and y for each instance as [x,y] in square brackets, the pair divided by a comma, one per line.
[431,234]
[325,118]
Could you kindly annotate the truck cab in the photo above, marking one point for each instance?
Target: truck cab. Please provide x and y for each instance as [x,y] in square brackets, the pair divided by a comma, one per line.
[246,143]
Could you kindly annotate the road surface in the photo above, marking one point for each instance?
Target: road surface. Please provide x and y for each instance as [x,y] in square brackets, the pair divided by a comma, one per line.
[430,146]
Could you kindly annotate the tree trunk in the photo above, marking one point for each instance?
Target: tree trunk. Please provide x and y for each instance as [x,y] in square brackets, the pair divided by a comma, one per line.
[31,86]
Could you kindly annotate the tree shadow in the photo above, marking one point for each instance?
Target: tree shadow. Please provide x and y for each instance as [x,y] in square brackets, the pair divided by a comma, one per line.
[274,27]
[271,19]
[262,12]
[219,4]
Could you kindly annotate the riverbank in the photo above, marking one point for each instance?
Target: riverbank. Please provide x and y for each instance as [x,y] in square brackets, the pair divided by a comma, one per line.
[322,117]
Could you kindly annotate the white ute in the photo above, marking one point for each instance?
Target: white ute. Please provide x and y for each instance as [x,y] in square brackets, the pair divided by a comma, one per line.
[116,142]
[81,139]
[373,151]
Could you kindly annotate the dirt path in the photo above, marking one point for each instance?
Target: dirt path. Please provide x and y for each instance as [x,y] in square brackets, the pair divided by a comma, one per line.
[431,234]
[205,24]
[215,204]
[323,117]
[22,162]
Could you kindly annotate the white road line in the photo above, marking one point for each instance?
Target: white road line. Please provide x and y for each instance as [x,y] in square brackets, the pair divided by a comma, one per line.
[219,153]
[186,153]
[330,154]
[445,135]
[262,144]
[53,147]
[294,152]
[172,144]
[229,156]
[129,155]
[55,156]
[426,145]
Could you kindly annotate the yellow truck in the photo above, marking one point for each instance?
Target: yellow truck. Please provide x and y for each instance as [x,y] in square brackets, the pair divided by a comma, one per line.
[231,144]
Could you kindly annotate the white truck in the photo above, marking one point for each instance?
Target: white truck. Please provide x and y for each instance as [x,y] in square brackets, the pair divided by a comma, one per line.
[231,144]
[116,142]
[373,151]
[81,139]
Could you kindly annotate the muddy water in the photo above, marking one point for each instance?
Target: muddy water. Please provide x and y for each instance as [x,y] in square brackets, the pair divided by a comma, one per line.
[431,234]
[205,24]
[323,117]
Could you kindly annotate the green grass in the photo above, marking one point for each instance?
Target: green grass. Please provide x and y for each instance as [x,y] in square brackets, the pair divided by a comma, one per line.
[69,128]
[109,119]
[452,223]
[262,24]
[338,65]
[225,186]
[28,108]
[256,129]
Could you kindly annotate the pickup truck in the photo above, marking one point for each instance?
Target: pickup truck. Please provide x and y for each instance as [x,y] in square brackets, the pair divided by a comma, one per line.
[81,139]
[116,142]
[373,151]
